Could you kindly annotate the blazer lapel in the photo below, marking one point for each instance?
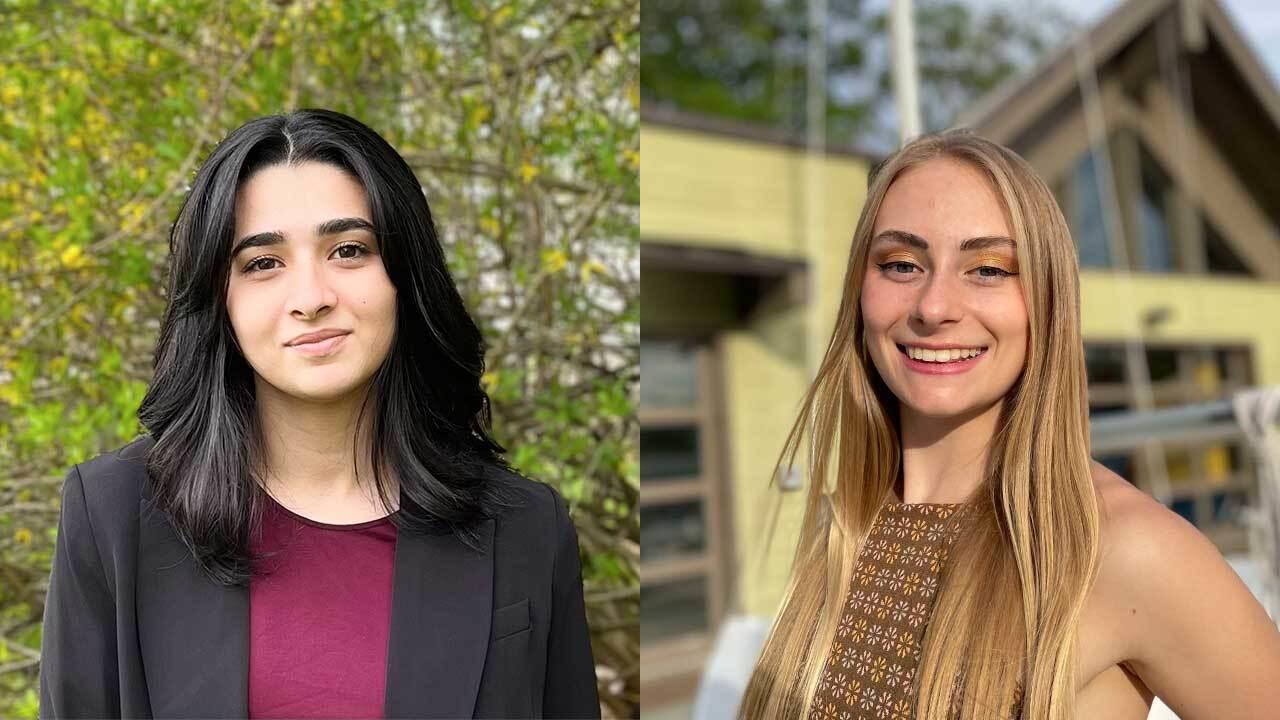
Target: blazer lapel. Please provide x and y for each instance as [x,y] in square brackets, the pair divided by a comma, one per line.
[440,617]
[193,632]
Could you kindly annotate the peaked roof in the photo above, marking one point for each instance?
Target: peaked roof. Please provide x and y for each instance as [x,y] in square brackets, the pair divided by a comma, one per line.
[1233,97]
[1010,108]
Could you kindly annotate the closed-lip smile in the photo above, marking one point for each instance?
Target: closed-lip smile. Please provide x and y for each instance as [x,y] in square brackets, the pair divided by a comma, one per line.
[317,336]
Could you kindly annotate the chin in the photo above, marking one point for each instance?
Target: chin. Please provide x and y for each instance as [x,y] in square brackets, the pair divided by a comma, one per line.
[941,409]
[319,388]
[325,394]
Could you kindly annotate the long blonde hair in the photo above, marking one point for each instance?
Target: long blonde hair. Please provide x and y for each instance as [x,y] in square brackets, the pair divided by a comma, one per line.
[1011,595]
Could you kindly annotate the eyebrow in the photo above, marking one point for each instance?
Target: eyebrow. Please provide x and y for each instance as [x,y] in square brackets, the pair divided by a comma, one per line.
[328,227]
[977,243]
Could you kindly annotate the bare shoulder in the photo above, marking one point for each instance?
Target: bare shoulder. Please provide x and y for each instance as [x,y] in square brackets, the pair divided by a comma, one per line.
[1118,496]
[1192,630]
[1144,544]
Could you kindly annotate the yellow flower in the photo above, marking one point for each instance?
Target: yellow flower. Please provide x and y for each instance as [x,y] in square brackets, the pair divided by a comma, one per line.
[23,536]
[11,93]
[132,213]
[75,142]
[489,226]
[528,172]
[72,257]
[631,157]
[553,261]
[94,120]
[589,267]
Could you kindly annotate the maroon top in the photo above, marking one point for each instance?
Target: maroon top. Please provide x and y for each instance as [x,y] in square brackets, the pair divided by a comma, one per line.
[318,623]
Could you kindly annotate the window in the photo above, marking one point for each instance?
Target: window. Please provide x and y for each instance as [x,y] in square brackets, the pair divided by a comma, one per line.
[1104,363]
[1153,216]
[683,555]
[1087,218]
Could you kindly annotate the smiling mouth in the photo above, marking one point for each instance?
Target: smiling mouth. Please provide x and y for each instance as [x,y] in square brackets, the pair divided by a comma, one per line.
[982,350]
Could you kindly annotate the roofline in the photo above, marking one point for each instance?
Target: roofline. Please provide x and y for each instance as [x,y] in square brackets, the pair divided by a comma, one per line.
[667,116]
[1246,60]
[1105,38]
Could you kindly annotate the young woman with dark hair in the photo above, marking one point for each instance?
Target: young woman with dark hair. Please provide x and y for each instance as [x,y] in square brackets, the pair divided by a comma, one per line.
[317,522]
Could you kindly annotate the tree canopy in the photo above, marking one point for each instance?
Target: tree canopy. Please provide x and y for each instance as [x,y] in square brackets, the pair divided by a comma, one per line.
[747,59]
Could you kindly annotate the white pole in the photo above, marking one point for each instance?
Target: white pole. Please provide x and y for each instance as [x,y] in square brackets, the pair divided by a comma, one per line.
[906,80]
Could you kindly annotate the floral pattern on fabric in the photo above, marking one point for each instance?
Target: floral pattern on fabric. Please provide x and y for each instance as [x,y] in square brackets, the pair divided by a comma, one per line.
[872,663]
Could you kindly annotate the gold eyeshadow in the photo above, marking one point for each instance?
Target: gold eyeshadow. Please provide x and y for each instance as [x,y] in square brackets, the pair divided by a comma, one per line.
[898,257]
[997,261]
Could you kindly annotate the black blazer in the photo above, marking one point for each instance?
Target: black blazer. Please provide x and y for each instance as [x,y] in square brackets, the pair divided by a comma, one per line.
[133,629]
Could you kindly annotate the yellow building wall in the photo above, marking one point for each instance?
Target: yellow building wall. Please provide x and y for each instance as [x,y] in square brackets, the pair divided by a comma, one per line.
[709,191]
[1201,310]
[764,389]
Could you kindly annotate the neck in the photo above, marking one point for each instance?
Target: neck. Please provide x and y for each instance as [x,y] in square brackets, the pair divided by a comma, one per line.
[943,458]
[310,449]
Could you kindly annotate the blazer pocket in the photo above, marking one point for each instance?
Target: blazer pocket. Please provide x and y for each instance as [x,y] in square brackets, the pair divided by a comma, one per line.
[511,619]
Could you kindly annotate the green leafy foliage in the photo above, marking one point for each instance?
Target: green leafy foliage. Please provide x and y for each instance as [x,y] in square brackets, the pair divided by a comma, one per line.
[520,119]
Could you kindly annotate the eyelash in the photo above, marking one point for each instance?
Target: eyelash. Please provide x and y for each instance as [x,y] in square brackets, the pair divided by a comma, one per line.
[253,267]
[884,267]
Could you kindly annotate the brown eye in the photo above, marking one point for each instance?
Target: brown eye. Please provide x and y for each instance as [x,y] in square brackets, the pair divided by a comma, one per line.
[256,267]
[361,251]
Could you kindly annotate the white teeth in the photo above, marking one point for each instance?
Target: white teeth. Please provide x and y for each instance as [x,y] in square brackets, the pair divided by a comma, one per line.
[948,355]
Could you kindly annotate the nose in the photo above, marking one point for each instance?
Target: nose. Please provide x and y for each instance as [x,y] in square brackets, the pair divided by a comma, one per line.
[311,294]
[939,301]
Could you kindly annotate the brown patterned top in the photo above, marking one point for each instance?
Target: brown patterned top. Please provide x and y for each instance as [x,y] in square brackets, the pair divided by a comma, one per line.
[873,658]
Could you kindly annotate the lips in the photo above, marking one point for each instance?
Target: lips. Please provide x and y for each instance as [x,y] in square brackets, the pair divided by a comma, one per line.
[321,348]
[316,337]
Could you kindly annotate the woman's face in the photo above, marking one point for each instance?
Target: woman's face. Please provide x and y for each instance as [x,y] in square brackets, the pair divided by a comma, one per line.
[942,274]
[306,260]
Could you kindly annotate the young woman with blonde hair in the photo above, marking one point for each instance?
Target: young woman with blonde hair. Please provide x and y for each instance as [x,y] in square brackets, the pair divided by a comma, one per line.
[960,553]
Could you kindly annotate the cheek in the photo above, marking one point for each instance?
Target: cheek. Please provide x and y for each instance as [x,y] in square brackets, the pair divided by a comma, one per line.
[1012,324]
[881,302]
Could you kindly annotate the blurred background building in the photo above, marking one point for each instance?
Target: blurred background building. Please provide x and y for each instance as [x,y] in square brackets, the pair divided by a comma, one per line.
[1156,128]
